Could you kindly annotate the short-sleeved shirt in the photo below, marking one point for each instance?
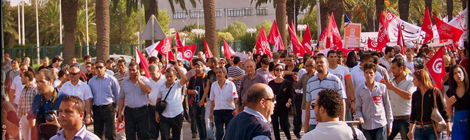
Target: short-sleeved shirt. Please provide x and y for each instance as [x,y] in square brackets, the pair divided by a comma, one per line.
[105,90]
[10,75]
[134,96]
[223,97]
[341,72]
[235,71]
[400,106]
[246,85]
[120,76]
[384,62]
[81,90]
[410,65]
[17,86]
[358,78]
[154,85]
[174,99]
[197,83]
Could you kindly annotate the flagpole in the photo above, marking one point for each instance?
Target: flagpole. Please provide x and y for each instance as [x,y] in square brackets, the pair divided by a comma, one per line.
[87,41]
[318,21]
[37,34]
[140,24]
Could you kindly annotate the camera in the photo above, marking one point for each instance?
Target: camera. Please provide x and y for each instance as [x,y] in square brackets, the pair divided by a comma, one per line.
[50,115]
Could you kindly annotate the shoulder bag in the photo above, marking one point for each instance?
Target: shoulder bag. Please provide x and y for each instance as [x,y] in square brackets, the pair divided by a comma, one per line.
[161,106]
[440,123]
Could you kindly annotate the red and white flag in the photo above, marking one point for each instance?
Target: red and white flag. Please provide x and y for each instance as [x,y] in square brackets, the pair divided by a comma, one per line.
[188,51]
[279,46]
[208,50]
[401,40]
[296,46]
[447,31]
[436,67]
[228,52]
[334,32]
[164,47]
[179,44]
[372,44]
[383,37]
[306,41]
[275,38]
[262,44]
[427,26]
[144,64]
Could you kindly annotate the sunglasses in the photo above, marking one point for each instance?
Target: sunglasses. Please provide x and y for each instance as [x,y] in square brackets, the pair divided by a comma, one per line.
[99,67]
[74,73]
[271,99]
[279,69]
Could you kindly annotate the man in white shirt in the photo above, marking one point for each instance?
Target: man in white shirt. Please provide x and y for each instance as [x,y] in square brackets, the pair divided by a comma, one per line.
[345,76]
[223,97]
[410,54]
[328,108]
[357,75]
[62,78]
[387,58]
[156,80]
[17,86]
[80,89]
[400,89]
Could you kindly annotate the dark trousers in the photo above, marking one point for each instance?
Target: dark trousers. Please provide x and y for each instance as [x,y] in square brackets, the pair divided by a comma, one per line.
[175,124]
[221,118]
[104,117]
[193,124]
[401,126]
[136,122]
[154,126]
[198,119]
[282,118]
[297,113]
[375,134]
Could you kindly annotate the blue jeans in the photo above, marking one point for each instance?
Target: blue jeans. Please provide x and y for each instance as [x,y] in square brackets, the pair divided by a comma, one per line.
[426,133]
[460,127]
[198,118]
[375,134]
[221,118]
[401,126]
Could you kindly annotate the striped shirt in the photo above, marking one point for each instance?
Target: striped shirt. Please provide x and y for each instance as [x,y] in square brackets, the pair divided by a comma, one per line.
[26,99]
[315,85]
[120,76]
[235,71]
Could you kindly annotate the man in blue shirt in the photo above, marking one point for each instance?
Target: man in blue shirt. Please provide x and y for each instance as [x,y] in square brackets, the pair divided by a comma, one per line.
[48,99]
[105,90]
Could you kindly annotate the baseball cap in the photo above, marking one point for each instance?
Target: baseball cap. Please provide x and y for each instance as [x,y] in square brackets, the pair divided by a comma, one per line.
[57,58]
[7,55]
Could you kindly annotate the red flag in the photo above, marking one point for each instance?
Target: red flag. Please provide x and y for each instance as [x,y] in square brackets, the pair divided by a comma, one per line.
[208,50]
[228,52]
[401,40]
[447,31]
[383,37]
[323,37]
[296,46]
[427,27]
[372,45]
[279,45]
[179,44]
[334,32]
[436,67]
[144,64]
[188,51]
[164,47]
[274,33]
[262,45]
[306,41]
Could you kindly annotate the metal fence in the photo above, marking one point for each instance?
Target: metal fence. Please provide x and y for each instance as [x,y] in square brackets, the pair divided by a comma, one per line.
[80,51]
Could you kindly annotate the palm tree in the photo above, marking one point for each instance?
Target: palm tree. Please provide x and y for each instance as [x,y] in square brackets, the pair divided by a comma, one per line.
[70,8]
[380,6]
[50,20]
[450,9]
[336,6]
[403,9]
[211,28]
[9,24]
[280,6]
[102,29]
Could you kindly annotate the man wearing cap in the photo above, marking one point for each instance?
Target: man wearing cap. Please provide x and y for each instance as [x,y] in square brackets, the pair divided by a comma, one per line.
[56,62]
[196,89]
[6,62]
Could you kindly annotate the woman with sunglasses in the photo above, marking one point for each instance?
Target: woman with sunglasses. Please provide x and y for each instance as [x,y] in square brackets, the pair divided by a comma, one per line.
[283,90]
[457,99]
[422,104]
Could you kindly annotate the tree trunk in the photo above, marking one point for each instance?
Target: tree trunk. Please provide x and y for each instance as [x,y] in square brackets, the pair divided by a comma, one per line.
[464,4]
[70,8]
[337,8]
[211,26]
[324,14]
[450,9]
[370,22]
[281,19]
[292,11]
[102,29]
[380,6]
[149,12]
[428,3]
[403,9]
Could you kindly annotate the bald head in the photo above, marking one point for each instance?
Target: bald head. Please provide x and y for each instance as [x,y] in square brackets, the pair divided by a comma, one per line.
[257,92]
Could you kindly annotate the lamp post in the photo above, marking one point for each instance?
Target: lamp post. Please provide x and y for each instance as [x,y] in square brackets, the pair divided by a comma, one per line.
[301,27]
[251,31]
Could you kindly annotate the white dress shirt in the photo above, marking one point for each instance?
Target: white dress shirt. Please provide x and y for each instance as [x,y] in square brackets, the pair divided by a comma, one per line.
[174,99]
[400,106]
[334,130]
[223,97]
[81,90]
[154,85]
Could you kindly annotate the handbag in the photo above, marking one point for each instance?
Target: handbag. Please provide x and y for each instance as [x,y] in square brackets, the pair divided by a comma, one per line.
[161,106]
[440,123]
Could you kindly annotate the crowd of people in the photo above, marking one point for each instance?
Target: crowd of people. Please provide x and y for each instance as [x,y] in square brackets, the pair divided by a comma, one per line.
[387,93]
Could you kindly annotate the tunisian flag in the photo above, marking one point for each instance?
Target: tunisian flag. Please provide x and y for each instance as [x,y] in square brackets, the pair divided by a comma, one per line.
[275,38]
[383,37]
[334,32]
[228,52]
[188,51]
[427,26]
[436,67]
[372,44]
[262,45]
[179,44]
[164,47]
[447,31]
[296,46]
[208,50]
[306,41]
[144,64]
[401,40]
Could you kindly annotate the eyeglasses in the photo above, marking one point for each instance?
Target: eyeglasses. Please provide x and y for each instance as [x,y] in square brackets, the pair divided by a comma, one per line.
[271,99]
[278,69]
[74,73]
[88,66]
[313,105]
[99,67]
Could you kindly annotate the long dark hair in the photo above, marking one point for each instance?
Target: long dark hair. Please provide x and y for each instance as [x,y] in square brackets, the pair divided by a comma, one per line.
[351,59]
[453,83]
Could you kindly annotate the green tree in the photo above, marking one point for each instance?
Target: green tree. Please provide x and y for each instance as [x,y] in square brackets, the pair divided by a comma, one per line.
[189,27]
[69,16]
[80,37]
[123,28]
[267,27]
[164,20]
[9,25]
[227,36]
[237,29]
